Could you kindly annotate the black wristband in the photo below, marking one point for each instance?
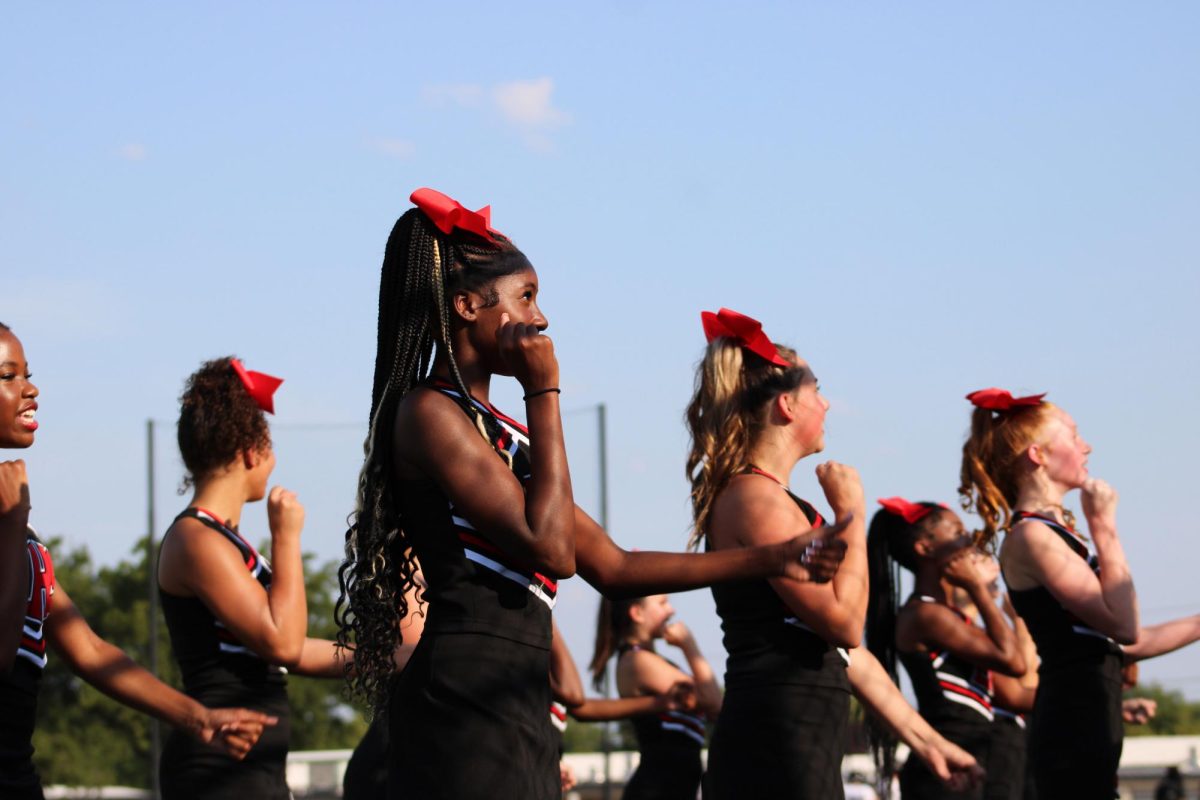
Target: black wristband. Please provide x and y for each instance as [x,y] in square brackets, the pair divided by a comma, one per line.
[532,395]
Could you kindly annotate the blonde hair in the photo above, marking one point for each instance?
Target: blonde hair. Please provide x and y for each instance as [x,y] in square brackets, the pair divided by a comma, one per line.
[724,417]
[991,464]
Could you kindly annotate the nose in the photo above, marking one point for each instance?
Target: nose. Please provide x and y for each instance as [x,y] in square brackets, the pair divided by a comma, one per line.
[30,390]
[824,402]
[539,319]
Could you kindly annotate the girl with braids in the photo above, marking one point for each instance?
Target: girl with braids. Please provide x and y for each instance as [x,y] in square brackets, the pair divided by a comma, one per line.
[1022,457]
[237,622]
[45,616]
[485,504]
[781,731]
[669,741]
[947,657]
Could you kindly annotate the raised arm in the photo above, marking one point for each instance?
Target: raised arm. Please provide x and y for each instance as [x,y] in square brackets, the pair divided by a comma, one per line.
[535,523]
[110,670]
[14,558]
[1039,556]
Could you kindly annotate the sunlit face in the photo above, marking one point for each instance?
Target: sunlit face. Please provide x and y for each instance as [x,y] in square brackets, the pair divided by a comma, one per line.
[811,406]
[18,404]
[654,613]
[1062,451]
[944,536]
[516,295]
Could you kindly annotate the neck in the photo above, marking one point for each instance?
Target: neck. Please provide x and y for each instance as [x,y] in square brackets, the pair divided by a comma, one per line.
[929,583]
[641,639]
[772,454]
[223,496]
[477,377]
[1042,496]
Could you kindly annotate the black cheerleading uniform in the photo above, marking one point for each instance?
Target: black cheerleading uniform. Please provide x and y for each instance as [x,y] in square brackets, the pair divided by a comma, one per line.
[955,697]
[468,714]
[781,732]
[1006,774]
[219,671]
[1076,733]
[19,686]
[669,743]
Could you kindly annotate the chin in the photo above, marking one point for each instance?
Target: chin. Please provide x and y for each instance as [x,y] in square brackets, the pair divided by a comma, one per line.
[19,441]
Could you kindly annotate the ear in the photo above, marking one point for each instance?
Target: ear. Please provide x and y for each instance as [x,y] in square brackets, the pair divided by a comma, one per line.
[466,305]
[637,613]
[785,406]
[1036,454]
[250,458]
[922,546]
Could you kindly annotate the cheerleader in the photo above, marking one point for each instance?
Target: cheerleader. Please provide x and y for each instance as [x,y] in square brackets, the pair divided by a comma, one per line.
[1021,458]
[237,621]
[948,658]
[485,504]
[45,615]
[757,410]
[669,742]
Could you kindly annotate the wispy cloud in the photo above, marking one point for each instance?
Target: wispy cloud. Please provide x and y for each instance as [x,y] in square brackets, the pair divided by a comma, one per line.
[525,106]
[396,148]
[134,151]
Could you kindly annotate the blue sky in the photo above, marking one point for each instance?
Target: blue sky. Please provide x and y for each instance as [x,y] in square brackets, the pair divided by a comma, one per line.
[923,199]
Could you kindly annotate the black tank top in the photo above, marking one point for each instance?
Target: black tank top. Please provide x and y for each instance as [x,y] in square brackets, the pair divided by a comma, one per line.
[665,728]
[472,585]
[208,654]
[1062,639]
[19,687]
[767,644]
[949,688]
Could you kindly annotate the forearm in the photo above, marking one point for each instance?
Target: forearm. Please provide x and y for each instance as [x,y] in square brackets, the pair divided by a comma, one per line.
[639,574]
[708,692]
[565,683]
[999,631]
[287,605]
[1116,584]
[321,658]
[597,710]
[1166,637]
[549,503]
[113,672]
[14,585]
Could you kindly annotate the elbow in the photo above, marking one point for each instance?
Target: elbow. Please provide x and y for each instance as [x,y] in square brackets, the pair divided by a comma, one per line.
[284,654]
[1126,636]
[846,636]
[571,698]
[1013,665]
[559,561]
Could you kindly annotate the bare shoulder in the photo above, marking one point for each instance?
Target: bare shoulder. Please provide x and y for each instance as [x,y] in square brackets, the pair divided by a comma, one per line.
[1025,550]
[427,418]
[753,510]
[191,548]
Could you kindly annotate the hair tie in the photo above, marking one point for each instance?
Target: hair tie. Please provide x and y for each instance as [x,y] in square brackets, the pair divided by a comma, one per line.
[447,214]
[911,512]
[260,386]
[1001,400]
[746,331]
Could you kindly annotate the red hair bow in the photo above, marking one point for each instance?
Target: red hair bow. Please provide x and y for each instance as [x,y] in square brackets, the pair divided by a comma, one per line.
[259,385]
[447,214]
[1001,400]
[746,331]
[912,512]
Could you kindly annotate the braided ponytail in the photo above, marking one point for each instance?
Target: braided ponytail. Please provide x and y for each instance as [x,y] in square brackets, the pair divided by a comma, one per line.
[422,270]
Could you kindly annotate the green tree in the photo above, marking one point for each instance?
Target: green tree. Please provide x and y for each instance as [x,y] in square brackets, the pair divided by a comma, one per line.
[1176,715]
[85,739]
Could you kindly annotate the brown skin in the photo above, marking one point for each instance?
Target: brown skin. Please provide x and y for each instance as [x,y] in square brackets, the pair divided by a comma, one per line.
[17,396]
[195,563]
[539,524]
[945,560]
[101,664]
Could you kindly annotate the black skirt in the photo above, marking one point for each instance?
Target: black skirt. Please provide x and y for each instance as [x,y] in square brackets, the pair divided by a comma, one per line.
[1077,732]
[666,772]
[783,742]
[192,770]
[469,719]
[1006,763]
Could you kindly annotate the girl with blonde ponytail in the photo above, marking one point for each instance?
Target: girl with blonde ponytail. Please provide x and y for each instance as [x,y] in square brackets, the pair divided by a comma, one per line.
[756,412]
[1076,596]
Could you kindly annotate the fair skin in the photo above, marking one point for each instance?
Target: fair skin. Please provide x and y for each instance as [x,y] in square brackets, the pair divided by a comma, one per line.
[945,561]
[98,662]
[642,672]
[538,524]
[1034,555]
[752,510]
[195,563]
[875,688]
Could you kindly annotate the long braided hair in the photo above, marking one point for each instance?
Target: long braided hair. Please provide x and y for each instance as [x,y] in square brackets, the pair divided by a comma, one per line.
[423,268]
[890,541]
